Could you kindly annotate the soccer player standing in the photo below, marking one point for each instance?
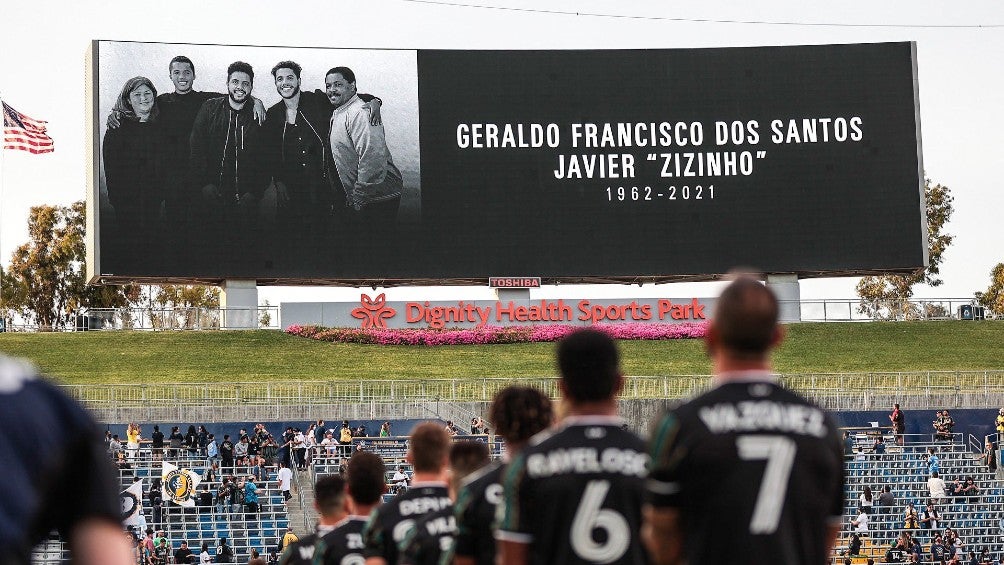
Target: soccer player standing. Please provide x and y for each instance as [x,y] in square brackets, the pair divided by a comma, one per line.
[749,459]
[575,496]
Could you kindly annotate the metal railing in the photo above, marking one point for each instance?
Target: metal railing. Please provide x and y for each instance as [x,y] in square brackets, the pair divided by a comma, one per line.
[858,310]
[840,391]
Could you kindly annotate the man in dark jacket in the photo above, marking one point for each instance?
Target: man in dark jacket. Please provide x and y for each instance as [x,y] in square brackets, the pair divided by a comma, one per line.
[298,157]
[226,164]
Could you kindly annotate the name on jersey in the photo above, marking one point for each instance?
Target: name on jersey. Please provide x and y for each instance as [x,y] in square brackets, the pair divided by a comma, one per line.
[423,505]
[586,460]
[441,526]
[764,415]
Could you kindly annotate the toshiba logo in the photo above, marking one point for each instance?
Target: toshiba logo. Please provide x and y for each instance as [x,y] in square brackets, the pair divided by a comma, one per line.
[514,282]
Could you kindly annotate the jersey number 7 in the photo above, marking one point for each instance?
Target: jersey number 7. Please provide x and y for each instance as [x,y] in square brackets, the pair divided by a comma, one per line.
[779,452]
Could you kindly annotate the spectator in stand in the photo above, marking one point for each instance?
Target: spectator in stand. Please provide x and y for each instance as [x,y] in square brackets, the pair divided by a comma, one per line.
[898,423]
[955,488]
[878,448]
[985,558]
[886,499]
[848,443]
[999,423]
[990,457]
[400,479]
[183,554]
[329,447]
[204,556]
[227,454]
[860,524]
[115,448]
[212,451]
[250,496]
[133,437]
[224,553]
[898,551]
[285,481]
[360,431]
[192,441]
[385,429]
[319,431]
[223,496]
[345,435]
[157,444]
[969,487]
[299,449]
[205,498]
[175,440]
[258,469]
[931,519]
[241,451]
[236,494]
[270,450]
[936,486]
[938,550]
[202,437]
[933,465]
[451,428]
[943,426]
[156,499]
[865,500]
[254,448]
[911,521]
[255,558]
[854,545]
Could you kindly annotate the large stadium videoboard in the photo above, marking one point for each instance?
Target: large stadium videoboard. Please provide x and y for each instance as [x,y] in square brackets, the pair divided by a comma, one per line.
[355,166]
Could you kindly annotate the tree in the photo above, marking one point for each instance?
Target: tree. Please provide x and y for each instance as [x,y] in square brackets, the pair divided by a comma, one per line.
[886,296]
[993,298]
[46,278]
[185,306]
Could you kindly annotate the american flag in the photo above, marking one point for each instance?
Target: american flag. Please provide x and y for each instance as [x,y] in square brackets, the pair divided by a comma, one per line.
[24,133]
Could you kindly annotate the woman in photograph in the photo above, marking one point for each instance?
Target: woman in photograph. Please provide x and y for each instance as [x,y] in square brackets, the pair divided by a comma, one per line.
[133,157]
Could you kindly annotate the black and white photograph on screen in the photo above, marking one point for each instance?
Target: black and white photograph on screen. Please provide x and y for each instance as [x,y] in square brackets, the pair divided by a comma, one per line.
[225,161]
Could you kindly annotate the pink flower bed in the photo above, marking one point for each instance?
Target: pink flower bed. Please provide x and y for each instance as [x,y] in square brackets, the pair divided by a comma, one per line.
[493,334]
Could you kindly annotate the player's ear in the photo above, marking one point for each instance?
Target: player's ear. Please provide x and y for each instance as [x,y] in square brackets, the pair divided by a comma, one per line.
[711,340]
[778,336]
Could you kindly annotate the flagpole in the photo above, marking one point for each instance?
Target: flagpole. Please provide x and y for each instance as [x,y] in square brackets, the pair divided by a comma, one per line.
[2,263]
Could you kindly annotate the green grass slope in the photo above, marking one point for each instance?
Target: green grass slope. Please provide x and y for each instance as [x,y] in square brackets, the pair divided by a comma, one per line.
[211,356]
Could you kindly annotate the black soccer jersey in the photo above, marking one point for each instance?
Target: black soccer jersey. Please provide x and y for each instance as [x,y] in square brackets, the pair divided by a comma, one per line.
[430,539]
[390,522]
[749,465]
[475,512]
[575,496]
[301,551]
[344,545]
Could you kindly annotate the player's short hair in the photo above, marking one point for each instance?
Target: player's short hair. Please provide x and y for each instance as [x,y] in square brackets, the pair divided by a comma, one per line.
[520,412]
[429,447]
[365,477]
[746,317]
[589,365]
[344,71]
[287,65]
[329,493]
[181,59]
[466,457]
[240,67]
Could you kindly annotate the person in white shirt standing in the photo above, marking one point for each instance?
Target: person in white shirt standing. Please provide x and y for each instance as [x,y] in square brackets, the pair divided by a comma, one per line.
[285,478]
[937,487]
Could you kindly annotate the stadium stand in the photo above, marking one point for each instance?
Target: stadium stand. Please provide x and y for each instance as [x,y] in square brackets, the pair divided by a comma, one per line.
[976,519]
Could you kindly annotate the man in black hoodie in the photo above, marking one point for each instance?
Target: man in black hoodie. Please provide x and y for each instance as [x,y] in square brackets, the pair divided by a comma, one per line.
[226,165]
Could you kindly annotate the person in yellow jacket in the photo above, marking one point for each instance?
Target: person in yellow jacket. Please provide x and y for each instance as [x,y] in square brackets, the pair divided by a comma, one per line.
[288,538]
[1000,422]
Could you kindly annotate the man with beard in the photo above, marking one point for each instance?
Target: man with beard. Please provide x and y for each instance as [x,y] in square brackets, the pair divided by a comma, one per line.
[226,164]
[371,181]
[178,110]
[299,159]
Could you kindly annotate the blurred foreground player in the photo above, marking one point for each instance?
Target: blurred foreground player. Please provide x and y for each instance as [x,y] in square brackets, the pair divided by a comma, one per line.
[57,474]
[748,465]
[430,540]
[575,496]
[344,505]
[517,414]
[428,453]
